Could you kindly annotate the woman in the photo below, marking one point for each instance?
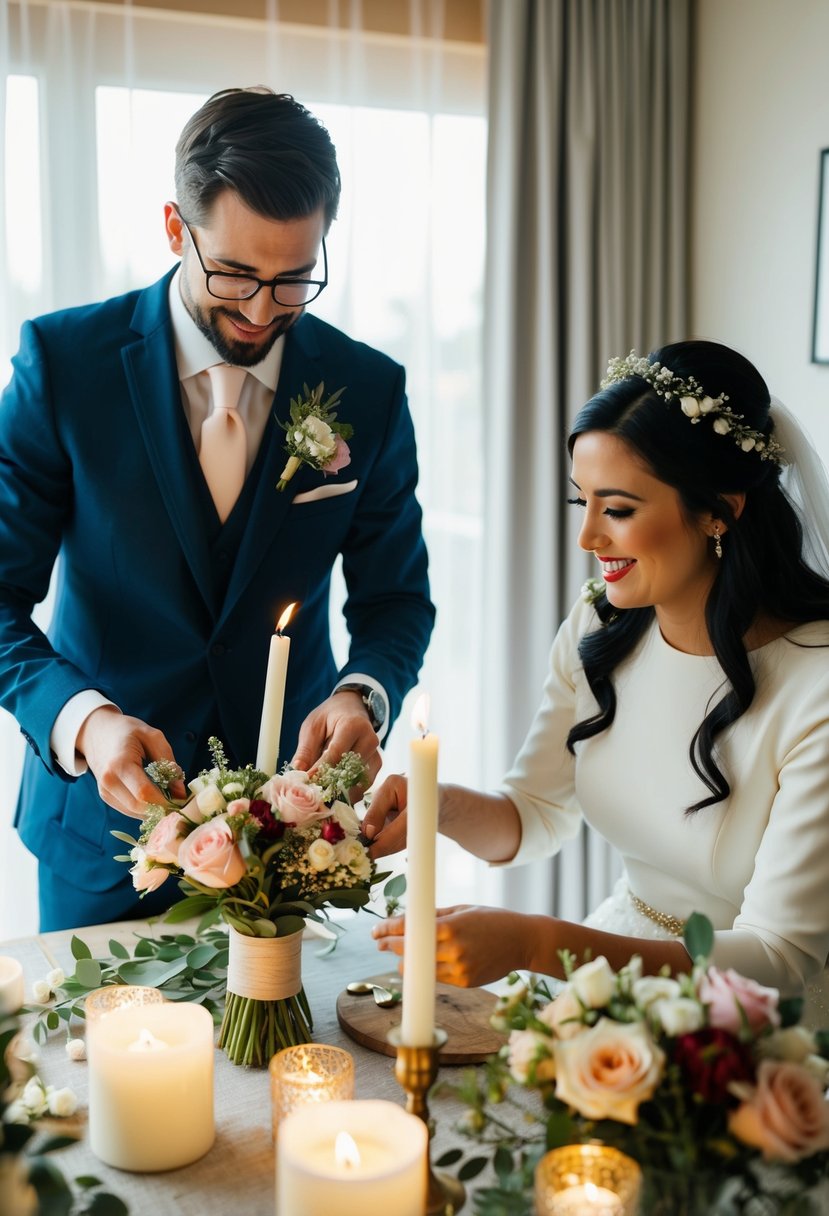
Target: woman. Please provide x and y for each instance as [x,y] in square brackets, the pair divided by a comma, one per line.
[686,710]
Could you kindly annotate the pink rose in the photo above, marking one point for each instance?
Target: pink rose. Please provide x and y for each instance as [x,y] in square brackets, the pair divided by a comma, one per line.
[239,806]
[733,1001]
[301,805]
[165,838]
[564,1014]
[210,855]
[785,1115]
[341,457]
[275,785]
[605,1072]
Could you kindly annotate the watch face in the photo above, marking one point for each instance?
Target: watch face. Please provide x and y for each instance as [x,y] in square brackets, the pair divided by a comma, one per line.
[376,708]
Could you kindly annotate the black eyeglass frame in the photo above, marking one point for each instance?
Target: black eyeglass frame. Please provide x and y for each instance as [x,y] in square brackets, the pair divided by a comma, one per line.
[272,284]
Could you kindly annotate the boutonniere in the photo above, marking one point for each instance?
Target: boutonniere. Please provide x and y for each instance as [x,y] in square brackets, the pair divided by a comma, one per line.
[314,435]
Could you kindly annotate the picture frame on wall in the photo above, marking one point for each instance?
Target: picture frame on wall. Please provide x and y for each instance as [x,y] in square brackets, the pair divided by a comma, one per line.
[820,329]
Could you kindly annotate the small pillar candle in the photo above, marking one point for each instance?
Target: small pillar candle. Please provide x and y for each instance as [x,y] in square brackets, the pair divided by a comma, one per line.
[351,1158]
[151,1086]
[12,989]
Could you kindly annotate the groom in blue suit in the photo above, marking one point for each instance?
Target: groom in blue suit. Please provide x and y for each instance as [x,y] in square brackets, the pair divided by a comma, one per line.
[167,592]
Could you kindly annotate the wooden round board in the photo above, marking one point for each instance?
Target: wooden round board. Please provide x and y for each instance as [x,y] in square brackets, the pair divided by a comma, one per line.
[463,1013]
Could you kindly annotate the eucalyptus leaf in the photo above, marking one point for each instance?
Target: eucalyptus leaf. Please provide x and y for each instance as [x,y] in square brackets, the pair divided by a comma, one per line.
[79,948]
[699,936]
[151,972]
[395,887]
[88,972]
[118,949]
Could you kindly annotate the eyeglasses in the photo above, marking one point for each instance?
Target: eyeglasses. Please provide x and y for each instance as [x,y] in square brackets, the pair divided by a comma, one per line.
[287,291]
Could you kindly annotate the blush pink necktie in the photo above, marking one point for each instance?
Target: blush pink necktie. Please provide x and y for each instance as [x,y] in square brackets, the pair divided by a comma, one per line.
[224,443]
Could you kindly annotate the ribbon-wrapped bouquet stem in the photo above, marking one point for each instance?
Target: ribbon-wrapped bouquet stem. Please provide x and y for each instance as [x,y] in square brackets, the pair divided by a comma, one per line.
[264,854]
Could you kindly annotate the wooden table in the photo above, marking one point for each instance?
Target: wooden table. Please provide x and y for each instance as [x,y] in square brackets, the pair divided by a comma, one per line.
[237,1175]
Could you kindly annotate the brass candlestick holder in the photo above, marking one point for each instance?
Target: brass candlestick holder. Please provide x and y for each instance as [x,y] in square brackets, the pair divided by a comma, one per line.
[416,1069]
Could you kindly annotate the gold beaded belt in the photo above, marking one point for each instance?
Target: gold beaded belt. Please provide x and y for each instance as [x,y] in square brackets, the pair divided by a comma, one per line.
[673,924]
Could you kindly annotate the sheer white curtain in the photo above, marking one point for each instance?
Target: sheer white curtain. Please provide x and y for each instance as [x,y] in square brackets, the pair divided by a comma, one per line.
[95,97]
[587,208]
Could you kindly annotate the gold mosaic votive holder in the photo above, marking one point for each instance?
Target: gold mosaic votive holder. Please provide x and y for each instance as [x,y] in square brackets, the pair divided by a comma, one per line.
[587,1180]
[119,996]
[307,1074]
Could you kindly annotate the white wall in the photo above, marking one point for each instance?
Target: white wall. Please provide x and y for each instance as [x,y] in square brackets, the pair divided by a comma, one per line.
[762,117]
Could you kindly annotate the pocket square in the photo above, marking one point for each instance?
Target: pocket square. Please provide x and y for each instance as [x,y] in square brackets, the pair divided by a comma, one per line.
[332,491]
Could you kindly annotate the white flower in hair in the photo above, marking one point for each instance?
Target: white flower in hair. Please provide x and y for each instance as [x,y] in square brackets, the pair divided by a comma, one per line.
[695,403]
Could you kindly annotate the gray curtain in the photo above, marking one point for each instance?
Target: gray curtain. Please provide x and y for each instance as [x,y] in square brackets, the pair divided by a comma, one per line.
[587,221]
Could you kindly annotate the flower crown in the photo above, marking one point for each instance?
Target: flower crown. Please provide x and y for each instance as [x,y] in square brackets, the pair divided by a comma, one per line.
[694,403]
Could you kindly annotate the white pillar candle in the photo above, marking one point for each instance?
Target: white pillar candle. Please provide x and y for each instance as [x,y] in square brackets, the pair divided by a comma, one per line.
[418,1016]
[389,1177]
[151,1086]
[586,1200]
[11,985]
[270,725]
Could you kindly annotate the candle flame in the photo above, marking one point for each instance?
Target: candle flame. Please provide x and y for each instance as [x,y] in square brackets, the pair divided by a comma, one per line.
[286,616]
[420,714]
[147,1041]
[346,1152]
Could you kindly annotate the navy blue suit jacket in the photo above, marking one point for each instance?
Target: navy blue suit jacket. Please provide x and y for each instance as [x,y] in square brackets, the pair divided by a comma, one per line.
[161,613]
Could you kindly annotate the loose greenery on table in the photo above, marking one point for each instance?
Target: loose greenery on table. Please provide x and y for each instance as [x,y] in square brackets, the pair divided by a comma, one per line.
[31,1184]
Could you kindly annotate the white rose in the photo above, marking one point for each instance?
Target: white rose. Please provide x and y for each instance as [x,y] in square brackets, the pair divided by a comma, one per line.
[593,983]
[34,1097]
[197,785]
[794,1044]
[681,1015]
[55,978]
[819,1068]
[564,1014]
[41,992]
[706,405]
[350,853]
[76,1049]
[62,1102]
[210,802]
[321,854]
[232,790]
[690,406]
[722,426]
[16,1112]
[346,817]
[654,988]
[320,434]
[608,1070]
[527,1050]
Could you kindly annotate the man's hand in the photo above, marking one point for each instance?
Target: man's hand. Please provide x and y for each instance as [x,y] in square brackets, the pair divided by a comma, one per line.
[341,724]
[116,748]
[385,820]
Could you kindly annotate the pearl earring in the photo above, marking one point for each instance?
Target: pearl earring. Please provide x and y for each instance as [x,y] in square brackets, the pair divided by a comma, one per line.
[717,541]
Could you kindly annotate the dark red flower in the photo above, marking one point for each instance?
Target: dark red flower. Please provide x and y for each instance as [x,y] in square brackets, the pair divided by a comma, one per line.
[710,1060]
[269,825]
[331,831]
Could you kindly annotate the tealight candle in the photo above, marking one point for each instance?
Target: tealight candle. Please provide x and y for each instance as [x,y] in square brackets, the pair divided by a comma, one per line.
[587,1180]
[151,1086]
[12,989]
[118,996]
[351,1158]
[308,1074]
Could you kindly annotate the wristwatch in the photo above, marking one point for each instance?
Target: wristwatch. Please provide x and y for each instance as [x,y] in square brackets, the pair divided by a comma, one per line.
[371,698]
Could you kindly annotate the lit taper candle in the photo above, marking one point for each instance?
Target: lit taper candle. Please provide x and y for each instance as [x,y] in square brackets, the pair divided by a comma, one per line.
[418,1021]
[267,754]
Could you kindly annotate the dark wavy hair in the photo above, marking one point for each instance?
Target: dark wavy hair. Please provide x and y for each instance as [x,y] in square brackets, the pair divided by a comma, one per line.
[263,145]
[762,571]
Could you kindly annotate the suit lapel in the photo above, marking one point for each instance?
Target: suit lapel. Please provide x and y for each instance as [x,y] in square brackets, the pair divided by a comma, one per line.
[301,364]
[150,367]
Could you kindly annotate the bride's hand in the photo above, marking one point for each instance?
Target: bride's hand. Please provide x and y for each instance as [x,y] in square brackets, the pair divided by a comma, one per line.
[475,945]
[384,823]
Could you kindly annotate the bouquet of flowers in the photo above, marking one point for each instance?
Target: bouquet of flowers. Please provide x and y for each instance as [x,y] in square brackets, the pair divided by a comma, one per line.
[706,1079]
[314,435]
[265,855]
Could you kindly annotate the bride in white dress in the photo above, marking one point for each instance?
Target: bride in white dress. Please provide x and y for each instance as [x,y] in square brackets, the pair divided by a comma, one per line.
[686,708]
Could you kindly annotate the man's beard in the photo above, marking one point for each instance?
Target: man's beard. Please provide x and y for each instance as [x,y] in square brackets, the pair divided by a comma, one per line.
[239,353]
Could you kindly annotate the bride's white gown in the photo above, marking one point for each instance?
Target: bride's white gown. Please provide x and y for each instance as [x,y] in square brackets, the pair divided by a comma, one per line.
[757,863]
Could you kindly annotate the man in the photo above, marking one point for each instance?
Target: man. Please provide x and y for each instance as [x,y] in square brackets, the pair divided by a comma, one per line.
[121,454]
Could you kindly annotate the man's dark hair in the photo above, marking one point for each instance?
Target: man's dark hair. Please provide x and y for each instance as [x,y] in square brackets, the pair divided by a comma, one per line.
[264,146]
